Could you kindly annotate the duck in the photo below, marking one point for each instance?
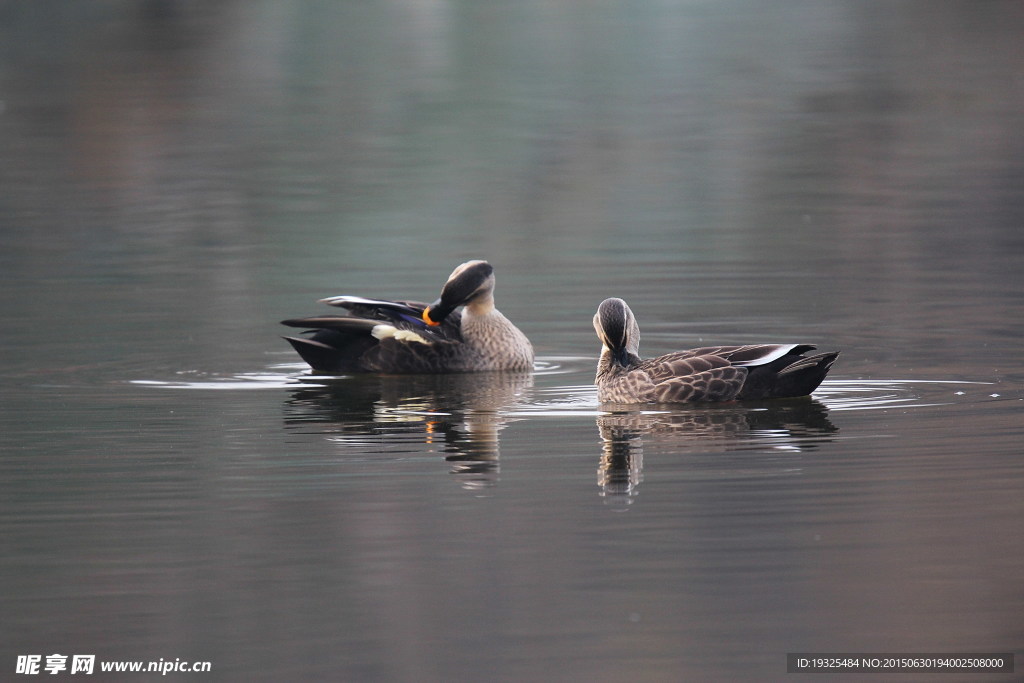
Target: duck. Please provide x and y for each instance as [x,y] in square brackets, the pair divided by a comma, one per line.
[461,331]
[711,373]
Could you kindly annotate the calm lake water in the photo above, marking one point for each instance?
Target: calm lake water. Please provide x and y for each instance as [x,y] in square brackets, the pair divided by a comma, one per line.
[175,178]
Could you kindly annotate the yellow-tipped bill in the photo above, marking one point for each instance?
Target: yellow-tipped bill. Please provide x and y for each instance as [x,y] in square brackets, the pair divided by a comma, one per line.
[426,317]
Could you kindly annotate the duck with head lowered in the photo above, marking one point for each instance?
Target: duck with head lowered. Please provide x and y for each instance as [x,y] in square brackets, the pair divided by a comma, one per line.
[407,337]
[712,373]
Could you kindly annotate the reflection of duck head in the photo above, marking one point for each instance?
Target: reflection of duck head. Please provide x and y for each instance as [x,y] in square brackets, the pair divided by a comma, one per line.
[462,413]
[621,468]
[791,425]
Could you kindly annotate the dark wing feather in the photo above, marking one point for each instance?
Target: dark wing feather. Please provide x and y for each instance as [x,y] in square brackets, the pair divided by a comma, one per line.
[381,309]
[750,354]
[341,323]
[403,314]
[821,361]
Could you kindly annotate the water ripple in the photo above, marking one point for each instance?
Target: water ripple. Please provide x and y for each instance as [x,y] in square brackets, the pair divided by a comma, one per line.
[275,377]
[878,394]
[298,374]
[581,400]
[836,395]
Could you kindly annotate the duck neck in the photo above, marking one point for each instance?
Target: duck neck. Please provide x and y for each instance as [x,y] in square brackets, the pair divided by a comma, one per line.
[615,360]
[480,307]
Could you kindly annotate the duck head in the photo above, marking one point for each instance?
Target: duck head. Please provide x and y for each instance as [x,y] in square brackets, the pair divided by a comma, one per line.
[617,329]
[471,284]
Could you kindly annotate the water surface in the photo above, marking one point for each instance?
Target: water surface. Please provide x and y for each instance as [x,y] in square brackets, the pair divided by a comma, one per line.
[176,484]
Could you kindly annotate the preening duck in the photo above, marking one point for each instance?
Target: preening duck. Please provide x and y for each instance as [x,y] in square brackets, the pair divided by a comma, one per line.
[712,373]
[407,337]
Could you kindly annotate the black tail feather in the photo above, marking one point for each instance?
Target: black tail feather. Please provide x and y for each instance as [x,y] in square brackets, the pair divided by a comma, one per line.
[319,356]
[333,351]
[788,377]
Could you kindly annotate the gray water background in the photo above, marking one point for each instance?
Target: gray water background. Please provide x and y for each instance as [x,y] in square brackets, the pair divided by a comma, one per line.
[176,177]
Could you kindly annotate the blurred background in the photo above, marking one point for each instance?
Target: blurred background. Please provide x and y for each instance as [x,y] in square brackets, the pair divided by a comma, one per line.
[176,176]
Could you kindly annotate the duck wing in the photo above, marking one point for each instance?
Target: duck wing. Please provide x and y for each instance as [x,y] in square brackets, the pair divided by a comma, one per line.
[377,335]
[343,344]
[750,355]
[682,377]
[406,314]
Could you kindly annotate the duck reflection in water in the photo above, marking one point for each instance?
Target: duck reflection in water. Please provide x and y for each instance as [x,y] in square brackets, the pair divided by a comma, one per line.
[461,415]
[789,425]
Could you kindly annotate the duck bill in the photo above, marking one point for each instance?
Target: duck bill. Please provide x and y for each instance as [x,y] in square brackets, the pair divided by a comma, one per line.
[435,313]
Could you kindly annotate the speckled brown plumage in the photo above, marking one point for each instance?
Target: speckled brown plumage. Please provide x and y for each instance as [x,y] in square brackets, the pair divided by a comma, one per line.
[713,373]
[408,337]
